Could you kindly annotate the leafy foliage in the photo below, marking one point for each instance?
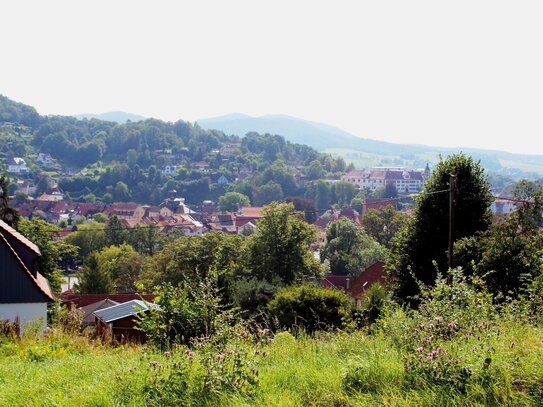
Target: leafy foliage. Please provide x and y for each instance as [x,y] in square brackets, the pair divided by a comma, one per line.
[279,248]
[508,255]
[186,311]
[232,202]
[309,307]
[7,213]
[94,279]
[192,258]
[349,249]
[383,224]
[43,235]
[424,239]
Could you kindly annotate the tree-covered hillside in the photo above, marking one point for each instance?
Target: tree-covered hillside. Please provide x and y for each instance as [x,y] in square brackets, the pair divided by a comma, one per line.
[142,161]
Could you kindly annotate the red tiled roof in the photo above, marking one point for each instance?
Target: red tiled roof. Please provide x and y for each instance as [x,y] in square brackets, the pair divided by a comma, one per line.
[251,211]
[376,203]
[373,274]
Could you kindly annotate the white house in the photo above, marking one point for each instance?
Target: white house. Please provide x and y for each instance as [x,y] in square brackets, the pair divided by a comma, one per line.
[405,181]
[24,293]
[169,169]
[17,165]
[44,158]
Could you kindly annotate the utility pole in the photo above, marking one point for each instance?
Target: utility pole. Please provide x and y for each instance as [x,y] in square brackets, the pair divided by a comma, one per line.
[452,190]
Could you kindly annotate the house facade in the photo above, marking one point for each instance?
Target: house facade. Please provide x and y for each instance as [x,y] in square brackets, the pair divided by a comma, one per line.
[17,165]
[44,158]
[24,292]
[405,181]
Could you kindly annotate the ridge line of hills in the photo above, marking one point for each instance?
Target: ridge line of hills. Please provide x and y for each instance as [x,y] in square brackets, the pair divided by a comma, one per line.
[325,138]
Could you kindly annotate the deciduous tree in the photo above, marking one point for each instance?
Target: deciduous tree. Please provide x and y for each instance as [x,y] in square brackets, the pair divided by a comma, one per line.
[280,246]
[425,238]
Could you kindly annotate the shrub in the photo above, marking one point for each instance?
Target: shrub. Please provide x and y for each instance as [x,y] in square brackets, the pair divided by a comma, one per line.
[310,307]
[184,312]
[252,295]
[372,305]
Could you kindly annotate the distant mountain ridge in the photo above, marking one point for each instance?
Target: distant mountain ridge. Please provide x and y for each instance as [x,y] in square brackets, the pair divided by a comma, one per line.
[328,138]
[118,116]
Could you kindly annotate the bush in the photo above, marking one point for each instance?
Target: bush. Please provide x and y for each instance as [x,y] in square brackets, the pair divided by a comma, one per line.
[252,295]
[310,307]
[184,312]
[374,301]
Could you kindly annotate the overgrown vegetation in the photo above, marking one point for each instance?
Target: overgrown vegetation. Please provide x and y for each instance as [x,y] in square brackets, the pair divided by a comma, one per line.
[456,349]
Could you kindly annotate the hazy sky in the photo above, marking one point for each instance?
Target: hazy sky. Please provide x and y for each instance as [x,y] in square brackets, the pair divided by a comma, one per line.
[455,73]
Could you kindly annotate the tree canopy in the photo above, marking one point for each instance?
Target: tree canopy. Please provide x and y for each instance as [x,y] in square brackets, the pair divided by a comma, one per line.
[349,249]
[280,246]
[425,238]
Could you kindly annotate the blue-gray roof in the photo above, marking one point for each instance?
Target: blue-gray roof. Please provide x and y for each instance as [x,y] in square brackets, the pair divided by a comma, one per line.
[123,310]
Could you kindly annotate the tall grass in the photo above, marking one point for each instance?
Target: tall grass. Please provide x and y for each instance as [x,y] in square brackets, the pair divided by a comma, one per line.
[499,363]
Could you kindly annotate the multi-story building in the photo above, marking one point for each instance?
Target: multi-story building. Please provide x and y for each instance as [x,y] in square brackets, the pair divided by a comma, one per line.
[405,181]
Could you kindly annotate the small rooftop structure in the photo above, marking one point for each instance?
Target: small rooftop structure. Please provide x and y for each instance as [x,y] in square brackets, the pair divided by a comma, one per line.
[126,309]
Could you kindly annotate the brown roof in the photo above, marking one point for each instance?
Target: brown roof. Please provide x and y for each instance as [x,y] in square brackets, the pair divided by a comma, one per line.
[8,229]
[251,211]
[373,274]
[377,203]
[40,281]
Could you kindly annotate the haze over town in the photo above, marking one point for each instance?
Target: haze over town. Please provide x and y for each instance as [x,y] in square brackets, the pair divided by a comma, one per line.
[422,72]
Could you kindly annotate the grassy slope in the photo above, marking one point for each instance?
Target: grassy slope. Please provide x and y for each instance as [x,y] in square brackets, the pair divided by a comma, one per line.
[63,370]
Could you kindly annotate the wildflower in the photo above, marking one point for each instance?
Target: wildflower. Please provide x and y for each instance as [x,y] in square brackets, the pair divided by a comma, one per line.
[452,325]
[421,325]
[264,331]
[244,333]
[420,349]
[167,354]
[438,319]
[431,326]
[474,349]
[154,363]
[232,353]
[264,354]
[257,351]
[220,356]
[199,345]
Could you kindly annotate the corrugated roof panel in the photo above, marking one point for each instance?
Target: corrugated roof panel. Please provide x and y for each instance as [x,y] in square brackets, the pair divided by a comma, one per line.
[123,310]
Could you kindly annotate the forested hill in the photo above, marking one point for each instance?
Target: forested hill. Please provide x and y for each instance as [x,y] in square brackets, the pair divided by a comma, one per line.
[316,135]
[142,161]
[366,152]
